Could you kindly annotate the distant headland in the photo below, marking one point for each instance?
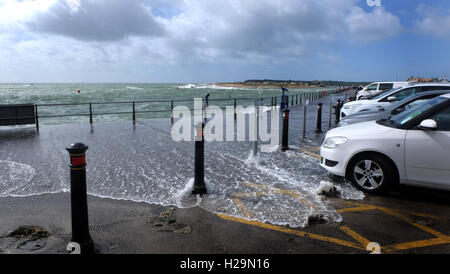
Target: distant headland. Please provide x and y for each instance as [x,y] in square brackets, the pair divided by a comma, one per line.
[288,84]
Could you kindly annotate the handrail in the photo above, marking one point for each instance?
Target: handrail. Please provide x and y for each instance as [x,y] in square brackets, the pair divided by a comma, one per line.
[308,94]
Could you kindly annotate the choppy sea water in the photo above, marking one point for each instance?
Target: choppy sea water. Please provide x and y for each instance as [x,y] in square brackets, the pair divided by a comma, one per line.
[42,94]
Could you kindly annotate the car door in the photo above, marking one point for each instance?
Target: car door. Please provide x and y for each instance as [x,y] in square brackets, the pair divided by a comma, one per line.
[427,153]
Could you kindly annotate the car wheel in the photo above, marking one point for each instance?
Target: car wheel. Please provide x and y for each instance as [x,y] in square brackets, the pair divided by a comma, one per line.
[371,173]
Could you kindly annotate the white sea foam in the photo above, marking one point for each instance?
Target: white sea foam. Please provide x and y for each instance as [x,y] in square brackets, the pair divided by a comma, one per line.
[135,88]
[13,176]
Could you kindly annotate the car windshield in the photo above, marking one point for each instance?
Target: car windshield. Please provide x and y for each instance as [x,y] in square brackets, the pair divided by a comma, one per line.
[406,116]
[384,93]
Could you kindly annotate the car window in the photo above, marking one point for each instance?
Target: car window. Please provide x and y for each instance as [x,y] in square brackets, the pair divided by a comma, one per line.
[405,93]
[415,103]
[430,88]
[383,94]
[443,119]
[372,87]
[386,86]
[406,116]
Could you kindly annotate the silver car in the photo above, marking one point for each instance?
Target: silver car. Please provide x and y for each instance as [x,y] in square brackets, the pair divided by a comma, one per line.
[395,108]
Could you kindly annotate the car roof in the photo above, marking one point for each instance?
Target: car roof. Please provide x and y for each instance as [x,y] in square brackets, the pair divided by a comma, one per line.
[418,96]
[430,84]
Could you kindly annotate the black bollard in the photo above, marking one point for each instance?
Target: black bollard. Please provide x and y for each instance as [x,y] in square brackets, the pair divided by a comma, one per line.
[235,114]
[319,118]
[199,176]
[337,111]
[285,133]
[78,195]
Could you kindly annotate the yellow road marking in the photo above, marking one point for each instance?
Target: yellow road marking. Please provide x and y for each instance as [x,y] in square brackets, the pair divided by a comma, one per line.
[315,155]
[417,244]
[371,207]
[273,190]
[242,208]
[360,239]
[355,209]
[293,232]
[405,219]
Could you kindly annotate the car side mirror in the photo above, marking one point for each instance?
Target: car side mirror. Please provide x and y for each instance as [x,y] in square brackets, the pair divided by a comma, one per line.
[398,110]
[392,98]
[428,124]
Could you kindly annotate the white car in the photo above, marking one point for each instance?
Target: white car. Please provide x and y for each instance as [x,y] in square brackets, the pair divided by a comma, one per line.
[386,98]
[411,148]
[377,88]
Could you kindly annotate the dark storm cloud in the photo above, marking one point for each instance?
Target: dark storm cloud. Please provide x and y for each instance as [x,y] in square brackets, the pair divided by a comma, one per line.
[99,20]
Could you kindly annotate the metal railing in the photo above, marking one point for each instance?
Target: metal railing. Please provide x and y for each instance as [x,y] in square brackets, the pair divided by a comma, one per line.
[290,100]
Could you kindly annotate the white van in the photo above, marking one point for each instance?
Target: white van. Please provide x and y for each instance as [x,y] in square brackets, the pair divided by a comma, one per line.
[377,88]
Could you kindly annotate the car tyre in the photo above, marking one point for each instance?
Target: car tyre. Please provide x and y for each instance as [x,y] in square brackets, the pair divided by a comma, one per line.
[371,173]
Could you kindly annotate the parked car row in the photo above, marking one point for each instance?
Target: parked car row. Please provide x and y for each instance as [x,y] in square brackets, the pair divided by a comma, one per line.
[378,87]
[386,98]
[406,142]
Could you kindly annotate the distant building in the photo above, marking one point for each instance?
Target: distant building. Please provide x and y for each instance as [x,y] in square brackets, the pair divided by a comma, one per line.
[422,80]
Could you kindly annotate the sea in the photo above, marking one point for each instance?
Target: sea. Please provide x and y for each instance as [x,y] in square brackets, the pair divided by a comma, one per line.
[70,101]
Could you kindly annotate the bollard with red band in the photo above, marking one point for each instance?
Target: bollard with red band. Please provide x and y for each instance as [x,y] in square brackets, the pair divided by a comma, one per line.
[199,176]
[78,195]
[285,131]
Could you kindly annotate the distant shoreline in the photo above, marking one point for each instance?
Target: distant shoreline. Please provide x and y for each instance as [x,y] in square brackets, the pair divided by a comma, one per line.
[244,85]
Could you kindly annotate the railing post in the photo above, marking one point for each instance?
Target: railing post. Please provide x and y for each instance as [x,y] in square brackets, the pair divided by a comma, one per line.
[304,120]
[36,117]
[331,110]
[78,194]
[134,114]
[171,111]
[90,114]
[255,143]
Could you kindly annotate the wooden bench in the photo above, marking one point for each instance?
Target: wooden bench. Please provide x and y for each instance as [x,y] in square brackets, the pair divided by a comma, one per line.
[20,114]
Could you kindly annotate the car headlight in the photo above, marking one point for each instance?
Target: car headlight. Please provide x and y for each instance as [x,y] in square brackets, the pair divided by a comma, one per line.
[351,106]
[334,142]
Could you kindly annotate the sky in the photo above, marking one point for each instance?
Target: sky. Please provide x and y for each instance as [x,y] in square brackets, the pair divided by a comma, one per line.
[207,41]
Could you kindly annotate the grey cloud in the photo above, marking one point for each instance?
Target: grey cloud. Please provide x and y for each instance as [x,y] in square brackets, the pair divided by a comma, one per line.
[97,20]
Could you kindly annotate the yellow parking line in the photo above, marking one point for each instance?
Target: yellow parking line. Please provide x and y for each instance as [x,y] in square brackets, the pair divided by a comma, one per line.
[242,208]
[273,190]
[315,155]
[360,239]
[251,194]
[409,221]
[293,232]
[417,244]
[355,209]
[363,206]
